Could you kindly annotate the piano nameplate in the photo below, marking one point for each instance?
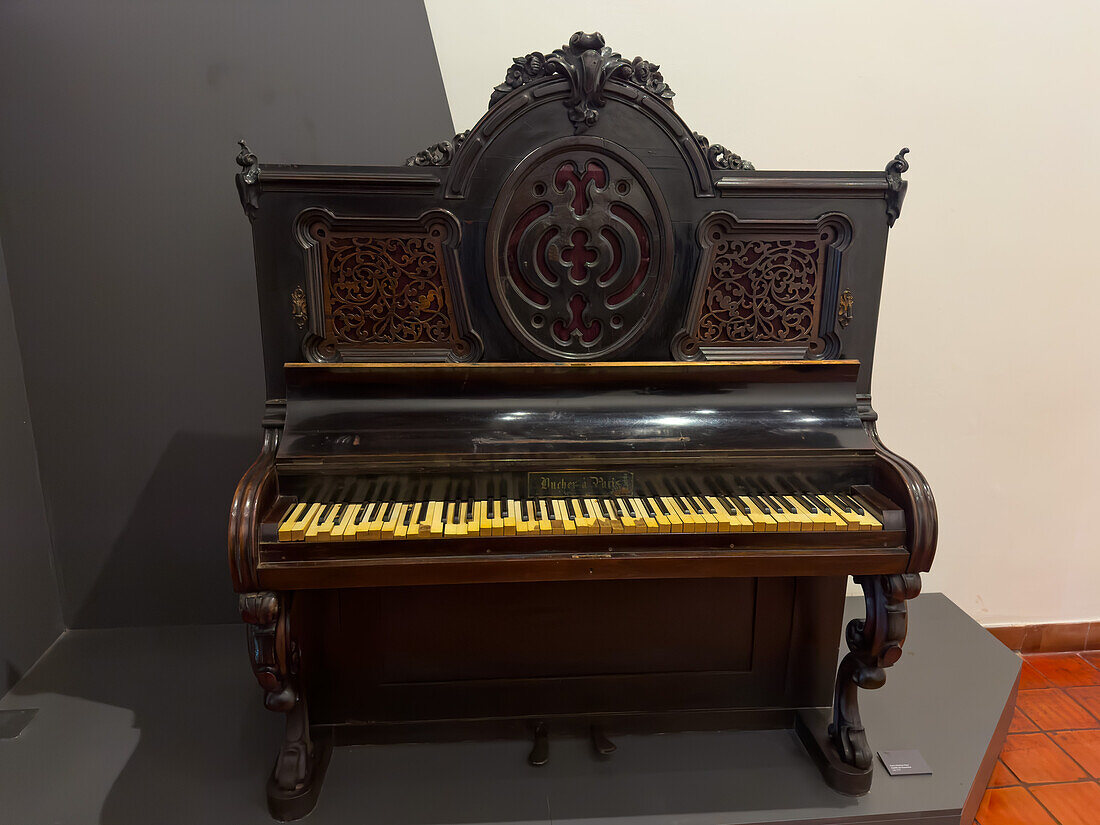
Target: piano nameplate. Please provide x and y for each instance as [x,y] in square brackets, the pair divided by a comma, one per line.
[580,484]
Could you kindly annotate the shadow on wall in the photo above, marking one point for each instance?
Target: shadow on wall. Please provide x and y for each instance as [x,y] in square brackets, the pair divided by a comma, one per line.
[168,566]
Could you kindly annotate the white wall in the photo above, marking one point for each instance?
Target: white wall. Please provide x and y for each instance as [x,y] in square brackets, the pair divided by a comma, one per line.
[985,373]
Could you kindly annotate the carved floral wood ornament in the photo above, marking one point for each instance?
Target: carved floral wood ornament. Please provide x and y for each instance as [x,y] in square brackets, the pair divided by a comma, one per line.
[765,285]
[589,65]
[383,285]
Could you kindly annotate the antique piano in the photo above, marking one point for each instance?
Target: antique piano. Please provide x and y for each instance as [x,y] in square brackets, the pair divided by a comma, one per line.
[569,432]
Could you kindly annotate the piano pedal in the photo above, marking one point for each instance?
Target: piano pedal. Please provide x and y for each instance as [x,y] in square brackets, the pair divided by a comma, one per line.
[540,750]
[603,746]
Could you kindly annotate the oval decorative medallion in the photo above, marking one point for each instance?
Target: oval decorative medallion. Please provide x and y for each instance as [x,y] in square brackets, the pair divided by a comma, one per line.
[579,249]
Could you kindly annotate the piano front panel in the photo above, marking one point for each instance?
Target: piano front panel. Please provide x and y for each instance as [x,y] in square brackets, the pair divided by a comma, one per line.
[552,650]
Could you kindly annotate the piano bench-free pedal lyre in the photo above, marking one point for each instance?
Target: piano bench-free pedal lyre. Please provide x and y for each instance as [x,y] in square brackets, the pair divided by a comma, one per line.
[603,746]
[540,750]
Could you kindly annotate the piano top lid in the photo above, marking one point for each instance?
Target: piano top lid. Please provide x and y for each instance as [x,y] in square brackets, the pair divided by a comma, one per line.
[435,413]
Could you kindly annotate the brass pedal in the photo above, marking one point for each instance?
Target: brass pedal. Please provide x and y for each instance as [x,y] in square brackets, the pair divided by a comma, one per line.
[540,751]
[603,746]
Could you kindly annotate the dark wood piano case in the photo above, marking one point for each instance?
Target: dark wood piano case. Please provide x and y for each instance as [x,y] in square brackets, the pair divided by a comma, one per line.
[579,221]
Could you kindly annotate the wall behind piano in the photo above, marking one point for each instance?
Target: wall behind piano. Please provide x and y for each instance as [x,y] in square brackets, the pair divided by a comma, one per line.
[131,265]
[987,346]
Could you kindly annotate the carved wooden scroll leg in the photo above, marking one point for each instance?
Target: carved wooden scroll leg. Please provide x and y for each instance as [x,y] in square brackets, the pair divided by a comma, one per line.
[299,768]
[841,749]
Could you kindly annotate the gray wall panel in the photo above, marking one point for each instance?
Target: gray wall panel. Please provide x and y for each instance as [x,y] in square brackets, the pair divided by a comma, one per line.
[130,258]
[30,611]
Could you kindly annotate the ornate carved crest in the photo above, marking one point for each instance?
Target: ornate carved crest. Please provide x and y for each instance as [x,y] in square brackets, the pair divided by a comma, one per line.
[579,249]
[588,64]
[384,288]
[764,288]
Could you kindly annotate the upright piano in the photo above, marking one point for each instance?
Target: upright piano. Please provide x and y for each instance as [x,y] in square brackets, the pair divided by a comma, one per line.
[569,432]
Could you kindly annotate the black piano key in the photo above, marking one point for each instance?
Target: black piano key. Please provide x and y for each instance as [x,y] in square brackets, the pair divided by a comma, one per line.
[857,508]
[683,499]
[657,500]
[648,508]
[367,501]
[806,502]
[701,498]
[778,504]
[825,508]
[717,490]
[761,505]
[469,501]
[732,500]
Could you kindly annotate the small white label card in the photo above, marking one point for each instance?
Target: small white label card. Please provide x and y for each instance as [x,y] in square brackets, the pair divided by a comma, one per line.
[904,763]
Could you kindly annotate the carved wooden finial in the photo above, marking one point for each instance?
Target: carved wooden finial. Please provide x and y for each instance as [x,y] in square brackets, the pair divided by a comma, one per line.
[896,186]
[248,179]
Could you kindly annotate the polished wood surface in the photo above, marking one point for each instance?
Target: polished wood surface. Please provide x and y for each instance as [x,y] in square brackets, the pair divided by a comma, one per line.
[569,431]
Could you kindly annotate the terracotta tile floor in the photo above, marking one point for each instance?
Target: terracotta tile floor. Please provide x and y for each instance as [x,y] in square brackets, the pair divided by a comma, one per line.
[1050,764]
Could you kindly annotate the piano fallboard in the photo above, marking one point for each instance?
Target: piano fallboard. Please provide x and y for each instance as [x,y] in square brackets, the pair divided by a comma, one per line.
[576,414]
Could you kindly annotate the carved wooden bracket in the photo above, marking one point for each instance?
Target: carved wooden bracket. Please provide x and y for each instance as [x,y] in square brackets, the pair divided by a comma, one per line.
[275,661]
[269,647]
[248,180]
[896,191]
[875,644]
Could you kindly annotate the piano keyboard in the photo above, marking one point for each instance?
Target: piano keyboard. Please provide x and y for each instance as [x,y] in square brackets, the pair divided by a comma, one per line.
[685,510]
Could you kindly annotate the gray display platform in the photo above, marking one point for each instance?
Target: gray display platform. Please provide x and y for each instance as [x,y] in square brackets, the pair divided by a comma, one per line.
[166,725]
